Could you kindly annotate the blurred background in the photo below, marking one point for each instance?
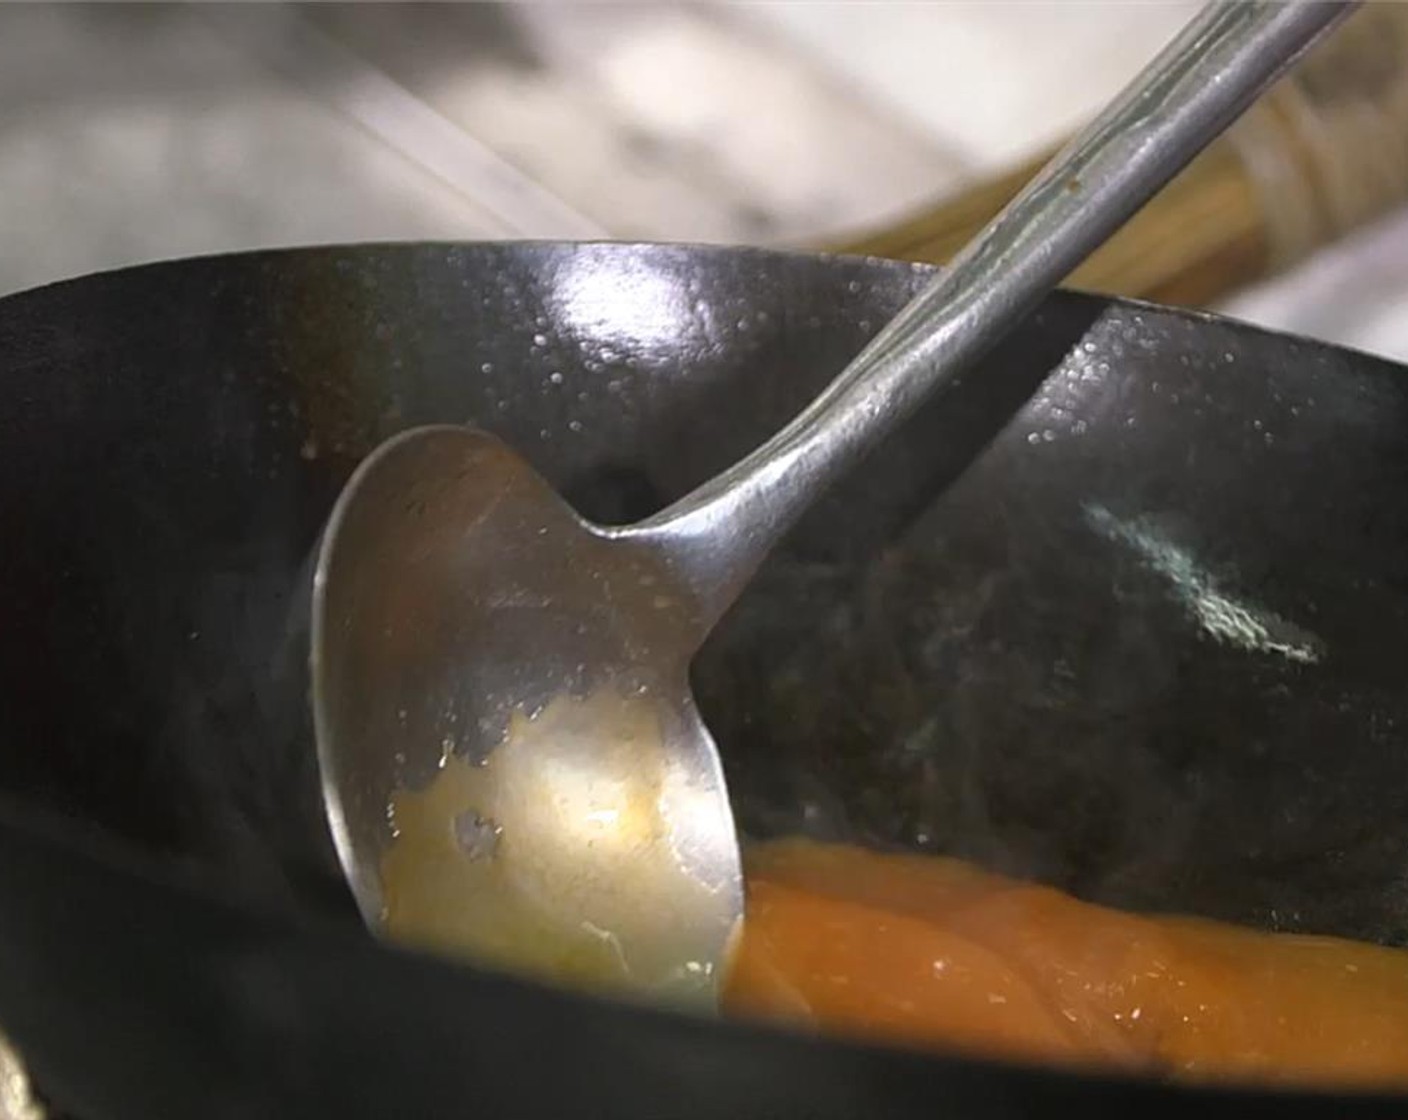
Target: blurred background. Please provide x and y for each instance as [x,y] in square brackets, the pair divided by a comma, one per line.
[132,132]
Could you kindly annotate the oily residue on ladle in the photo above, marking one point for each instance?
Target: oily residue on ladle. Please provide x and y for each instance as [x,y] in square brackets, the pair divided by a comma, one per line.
[487,859]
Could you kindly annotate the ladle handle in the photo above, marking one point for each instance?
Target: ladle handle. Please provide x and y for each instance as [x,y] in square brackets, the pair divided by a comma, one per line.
[1196,87]
[1321,154]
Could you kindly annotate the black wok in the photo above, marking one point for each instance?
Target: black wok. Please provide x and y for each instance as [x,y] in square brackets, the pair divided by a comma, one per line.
[1149,647]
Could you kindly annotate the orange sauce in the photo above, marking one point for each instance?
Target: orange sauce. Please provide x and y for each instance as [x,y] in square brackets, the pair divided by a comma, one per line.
[931,952]
[514,863]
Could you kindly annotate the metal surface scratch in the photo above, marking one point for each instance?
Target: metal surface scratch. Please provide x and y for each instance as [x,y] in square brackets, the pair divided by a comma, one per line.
[1222,616]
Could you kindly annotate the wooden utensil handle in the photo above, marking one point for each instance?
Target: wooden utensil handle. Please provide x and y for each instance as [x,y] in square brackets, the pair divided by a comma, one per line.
[1322,154]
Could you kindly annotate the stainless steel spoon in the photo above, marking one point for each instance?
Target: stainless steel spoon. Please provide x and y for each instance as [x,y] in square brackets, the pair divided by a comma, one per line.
[470,630]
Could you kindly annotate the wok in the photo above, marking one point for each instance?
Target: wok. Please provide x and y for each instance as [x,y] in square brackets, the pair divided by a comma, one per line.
[1148,647]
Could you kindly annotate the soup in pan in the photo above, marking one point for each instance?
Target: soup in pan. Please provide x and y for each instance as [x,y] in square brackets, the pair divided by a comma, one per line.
[933,952]
[926,951]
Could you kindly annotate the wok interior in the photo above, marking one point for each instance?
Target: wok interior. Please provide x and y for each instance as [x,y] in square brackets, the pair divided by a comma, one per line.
[1145,648]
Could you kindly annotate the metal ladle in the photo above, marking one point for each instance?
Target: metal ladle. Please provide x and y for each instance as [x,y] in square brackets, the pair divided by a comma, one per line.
[466,619]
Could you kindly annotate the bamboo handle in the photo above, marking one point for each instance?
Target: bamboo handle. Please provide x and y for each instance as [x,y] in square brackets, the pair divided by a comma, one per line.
[1323,153]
